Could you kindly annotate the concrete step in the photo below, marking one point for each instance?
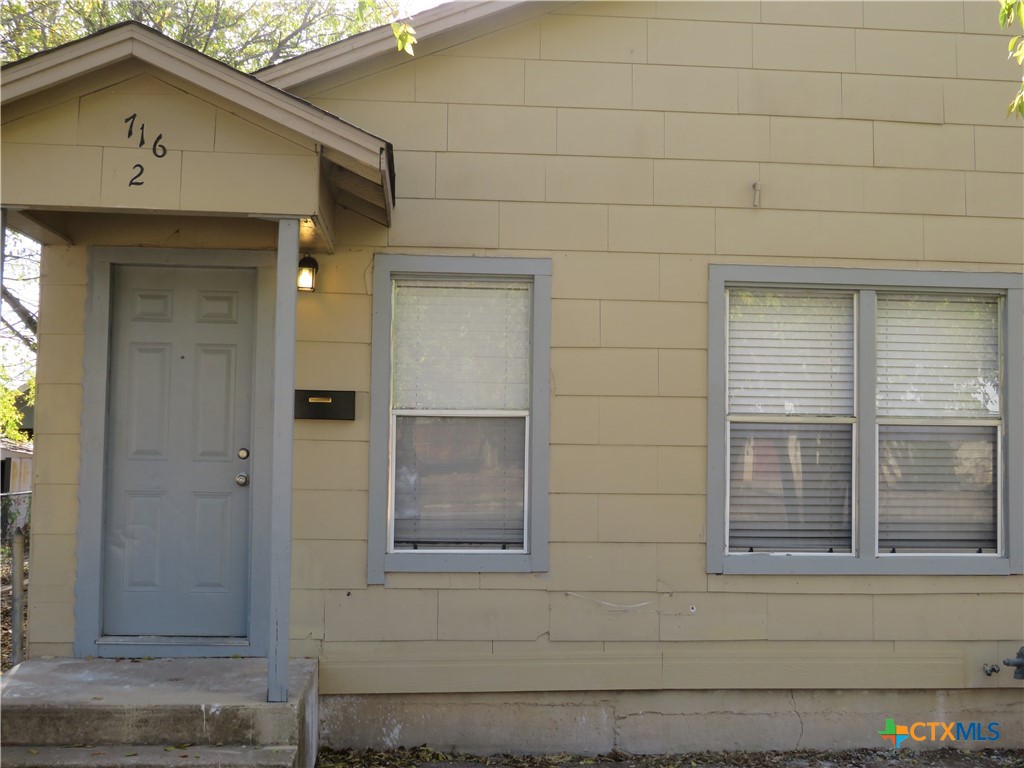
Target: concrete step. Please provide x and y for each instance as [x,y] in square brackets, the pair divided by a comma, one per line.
[69,725]
[147,756]
[156,702]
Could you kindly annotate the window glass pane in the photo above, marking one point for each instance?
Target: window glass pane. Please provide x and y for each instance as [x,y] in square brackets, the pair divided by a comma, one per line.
[790,352]
[461,345]
[459,482]
[938,355]
[790,487]
[937,489]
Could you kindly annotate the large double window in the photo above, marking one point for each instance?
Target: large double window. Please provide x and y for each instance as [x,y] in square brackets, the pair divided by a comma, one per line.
[459,415]
[864,421]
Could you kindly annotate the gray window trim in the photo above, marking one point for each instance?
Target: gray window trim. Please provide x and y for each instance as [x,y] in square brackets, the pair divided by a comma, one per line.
[379,560]
[866,560]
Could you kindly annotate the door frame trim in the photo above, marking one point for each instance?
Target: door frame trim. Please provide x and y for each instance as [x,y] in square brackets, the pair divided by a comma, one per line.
[89,640]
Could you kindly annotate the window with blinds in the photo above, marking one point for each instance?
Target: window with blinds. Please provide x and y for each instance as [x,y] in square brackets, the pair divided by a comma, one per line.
[938,415]
[460,399]
[790,420]
[864,421]
[793,366]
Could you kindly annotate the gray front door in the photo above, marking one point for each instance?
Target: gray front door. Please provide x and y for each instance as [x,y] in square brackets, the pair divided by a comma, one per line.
[176,522]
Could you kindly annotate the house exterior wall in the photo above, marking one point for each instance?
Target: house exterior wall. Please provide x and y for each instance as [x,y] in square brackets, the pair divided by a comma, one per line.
[143,143]
[63,291]
[620,141]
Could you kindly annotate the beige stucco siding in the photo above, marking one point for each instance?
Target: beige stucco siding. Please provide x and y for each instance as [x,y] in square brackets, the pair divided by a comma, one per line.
[622,141]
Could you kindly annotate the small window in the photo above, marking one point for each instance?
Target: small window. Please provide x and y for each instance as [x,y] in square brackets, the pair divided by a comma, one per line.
[460,406]
[459,422]
[863,426]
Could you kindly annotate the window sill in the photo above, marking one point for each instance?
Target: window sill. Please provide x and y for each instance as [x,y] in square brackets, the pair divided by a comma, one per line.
[462,562]
[885,565]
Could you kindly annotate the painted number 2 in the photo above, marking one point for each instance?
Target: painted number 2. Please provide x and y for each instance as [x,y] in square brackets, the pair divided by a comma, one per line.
[158,147]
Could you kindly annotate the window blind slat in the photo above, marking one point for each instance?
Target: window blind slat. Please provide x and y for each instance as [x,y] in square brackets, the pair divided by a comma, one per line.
[937,489]
[938,355]
[790,352]
[790,487]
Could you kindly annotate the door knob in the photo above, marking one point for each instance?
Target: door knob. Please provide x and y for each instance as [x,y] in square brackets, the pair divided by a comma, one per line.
[242,479]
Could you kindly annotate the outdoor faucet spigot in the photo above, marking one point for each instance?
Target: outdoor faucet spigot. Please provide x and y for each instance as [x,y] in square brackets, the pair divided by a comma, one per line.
[1018,673]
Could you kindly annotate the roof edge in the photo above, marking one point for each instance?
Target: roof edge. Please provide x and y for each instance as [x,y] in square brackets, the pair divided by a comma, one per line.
[131,40]
[352,50]
[354,148]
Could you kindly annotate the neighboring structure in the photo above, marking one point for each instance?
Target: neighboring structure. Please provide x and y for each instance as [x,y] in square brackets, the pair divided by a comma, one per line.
[686,344]
[17,466]
[15,485]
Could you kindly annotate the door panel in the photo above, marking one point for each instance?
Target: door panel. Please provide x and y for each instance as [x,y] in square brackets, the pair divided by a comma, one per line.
[144,513]
[176,525]
[148,406]
[212,415]
[212,528]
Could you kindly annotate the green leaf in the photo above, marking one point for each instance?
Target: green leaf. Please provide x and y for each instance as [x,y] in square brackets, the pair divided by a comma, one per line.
[1010,10]
[405,36]
[1017,105]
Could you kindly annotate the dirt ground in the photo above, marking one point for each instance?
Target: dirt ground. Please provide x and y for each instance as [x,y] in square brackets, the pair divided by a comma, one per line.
[423,757]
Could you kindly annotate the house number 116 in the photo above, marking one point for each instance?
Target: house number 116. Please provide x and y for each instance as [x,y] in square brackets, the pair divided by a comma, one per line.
[159,150]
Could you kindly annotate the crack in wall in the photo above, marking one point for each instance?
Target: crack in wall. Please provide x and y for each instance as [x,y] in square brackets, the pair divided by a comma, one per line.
[792,698]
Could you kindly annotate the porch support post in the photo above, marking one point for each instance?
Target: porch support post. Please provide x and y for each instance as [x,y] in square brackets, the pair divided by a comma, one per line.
[281,474]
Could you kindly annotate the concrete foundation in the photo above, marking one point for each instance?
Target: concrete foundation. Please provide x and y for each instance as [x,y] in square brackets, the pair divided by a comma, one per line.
[651,722]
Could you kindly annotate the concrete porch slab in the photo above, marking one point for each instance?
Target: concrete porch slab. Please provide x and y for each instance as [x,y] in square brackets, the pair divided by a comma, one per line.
[69,702]
[150,757]
[150,681]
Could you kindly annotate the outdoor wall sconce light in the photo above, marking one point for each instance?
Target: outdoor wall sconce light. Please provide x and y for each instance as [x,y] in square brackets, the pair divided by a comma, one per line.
[307,273]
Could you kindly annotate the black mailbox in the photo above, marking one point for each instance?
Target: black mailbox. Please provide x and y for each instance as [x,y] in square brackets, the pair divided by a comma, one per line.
[325,404]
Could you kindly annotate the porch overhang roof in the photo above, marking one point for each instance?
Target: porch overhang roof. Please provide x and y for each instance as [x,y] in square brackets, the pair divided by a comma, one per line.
[359,166]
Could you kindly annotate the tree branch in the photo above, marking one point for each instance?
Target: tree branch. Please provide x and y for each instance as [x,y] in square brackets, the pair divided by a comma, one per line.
[24,313]
[30,343]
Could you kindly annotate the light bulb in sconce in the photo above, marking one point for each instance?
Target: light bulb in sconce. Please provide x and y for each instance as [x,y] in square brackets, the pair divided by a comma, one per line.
[307,273]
